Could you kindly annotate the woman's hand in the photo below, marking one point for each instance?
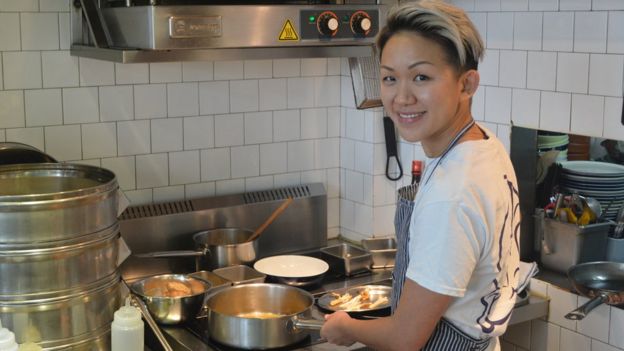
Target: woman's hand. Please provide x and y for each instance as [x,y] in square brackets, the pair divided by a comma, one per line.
[334,329]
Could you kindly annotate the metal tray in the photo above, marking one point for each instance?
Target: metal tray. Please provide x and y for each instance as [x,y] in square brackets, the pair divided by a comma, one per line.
[375,291]
[240,274]
[382,250]
[346,259]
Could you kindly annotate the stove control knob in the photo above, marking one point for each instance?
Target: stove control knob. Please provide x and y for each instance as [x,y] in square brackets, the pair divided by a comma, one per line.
[361,23]
[327,24]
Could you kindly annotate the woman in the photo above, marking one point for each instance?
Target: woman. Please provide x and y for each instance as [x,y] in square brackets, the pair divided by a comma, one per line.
[457,264]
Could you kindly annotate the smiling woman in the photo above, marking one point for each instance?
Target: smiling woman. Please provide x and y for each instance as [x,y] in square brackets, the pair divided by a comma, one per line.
[457,254]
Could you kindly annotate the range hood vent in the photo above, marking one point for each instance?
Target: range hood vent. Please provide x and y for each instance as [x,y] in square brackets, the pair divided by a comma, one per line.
[200,31]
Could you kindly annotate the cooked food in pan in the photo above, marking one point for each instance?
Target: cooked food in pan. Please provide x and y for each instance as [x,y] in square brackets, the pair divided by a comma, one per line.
[260,315]
[359,299]
[171,287]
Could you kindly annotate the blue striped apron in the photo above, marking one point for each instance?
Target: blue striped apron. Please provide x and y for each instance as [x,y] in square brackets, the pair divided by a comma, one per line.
[446,336]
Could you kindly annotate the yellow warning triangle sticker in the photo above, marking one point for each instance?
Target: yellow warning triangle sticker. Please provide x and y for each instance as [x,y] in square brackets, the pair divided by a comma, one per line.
[288,32]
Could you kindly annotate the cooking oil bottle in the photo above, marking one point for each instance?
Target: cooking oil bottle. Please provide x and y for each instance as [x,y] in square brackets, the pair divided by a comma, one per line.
[7,340]
[127,329]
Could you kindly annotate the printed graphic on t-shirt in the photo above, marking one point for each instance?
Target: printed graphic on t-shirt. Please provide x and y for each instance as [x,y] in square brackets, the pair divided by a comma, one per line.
[504,286]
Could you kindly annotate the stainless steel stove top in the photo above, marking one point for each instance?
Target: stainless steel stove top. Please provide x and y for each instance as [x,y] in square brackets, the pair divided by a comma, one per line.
[193,337]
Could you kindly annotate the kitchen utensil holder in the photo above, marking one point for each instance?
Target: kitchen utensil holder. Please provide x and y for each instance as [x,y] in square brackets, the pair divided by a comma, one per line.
[570,244]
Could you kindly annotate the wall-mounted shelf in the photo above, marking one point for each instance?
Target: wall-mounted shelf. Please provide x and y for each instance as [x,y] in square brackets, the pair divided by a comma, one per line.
[137,56]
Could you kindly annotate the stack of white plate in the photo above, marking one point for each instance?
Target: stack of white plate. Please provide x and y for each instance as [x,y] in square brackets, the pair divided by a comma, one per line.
[553,141]
[601,180]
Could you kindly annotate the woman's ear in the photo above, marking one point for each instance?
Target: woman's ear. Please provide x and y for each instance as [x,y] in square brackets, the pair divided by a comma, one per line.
[470,81]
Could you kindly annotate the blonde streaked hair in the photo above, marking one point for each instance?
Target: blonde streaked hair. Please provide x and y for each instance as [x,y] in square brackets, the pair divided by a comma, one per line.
[445,24]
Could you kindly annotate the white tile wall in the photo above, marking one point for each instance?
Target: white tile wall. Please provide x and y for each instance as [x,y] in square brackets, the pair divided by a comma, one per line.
[229,130]
[258,127]
[590,31]
[43,107]
[12,109]
[184,167]
[81,105]
[542,70]
[116,103]
[587,114]
[182,99]
[96,72]
[30,136]
[528,30]
[513,69]
[615,36]
[40,31]
[558,31]
[97,140]
[22,69]
[166,72]
[150,101]
[555,111]
[59,69]
[500,30]
[166,134]
[572,72]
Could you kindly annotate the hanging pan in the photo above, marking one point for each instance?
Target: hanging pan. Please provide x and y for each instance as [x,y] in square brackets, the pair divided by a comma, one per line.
[601,282]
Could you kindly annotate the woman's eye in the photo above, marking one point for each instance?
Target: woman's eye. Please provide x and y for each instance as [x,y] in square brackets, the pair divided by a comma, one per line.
[388,79]
[420,78]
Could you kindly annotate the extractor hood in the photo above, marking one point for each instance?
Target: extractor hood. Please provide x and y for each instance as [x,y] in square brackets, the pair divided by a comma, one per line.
[130,31]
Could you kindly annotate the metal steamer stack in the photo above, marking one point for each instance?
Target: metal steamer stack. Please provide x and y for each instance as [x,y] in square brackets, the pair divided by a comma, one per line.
[59,253]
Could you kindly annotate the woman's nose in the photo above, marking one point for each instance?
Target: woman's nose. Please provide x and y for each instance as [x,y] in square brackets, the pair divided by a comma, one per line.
[404,95]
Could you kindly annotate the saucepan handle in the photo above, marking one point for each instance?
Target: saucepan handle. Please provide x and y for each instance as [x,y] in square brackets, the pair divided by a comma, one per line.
[176,253]
[304,323]
[582,311]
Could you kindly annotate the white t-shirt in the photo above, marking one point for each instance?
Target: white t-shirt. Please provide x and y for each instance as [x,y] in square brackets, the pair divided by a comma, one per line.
[465,235]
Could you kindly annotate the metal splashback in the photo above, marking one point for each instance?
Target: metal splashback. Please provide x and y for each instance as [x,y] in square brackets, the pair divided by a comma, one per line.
[204,30]
[171,225]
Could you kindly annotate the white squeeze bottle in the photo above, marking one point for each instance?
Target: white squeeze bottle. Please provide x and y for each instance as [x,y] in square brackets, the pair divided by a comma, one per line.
[7,339]
[127,329]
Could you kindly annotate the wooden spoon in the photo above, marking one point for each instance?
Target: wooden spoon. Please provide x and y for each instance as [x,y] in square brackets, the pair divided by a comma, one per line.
[270,220]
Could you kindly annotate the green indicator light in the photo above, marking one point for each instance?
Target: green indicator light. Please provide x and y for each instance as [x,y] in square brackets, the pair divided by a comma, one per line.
[312,18]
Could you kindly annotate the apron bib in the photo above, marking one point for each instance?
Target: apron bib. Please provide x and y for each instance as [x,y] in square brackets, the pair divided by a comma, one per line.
[446,336]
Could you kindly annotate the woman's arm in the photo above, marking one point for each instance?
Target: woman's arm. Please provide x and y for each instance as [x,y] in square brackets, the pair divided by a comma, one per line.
[409,328]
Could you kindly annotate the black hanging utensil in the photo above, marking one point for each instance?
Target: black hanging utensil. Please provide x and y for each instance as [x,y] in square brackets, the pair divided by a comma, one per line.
[391,148]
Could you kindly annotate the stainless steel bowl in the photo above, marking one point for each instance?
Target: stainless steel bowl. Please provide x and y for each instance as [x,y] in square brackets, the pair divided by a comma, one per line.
[171,310]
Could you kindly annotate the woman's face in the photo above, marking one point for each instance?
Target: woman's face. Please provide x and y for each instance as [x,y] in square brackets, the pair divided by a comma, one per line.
[421,92]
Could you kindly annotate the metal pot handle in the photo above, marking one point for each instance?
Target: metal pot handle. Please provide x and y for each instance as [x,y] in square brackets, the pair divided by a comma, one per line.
[136,301]
[175,253]
[582,311]
[297,323]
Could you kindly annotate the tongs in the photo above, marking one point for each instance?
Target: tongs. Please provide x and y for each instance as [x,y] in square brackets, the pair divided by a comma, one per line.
[137,302]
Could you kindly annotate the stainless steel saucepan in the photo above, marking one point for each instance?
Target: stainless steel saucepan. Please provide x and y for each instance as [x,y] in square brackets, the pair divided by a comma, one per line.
[602,282]
[216,248]
[260,316]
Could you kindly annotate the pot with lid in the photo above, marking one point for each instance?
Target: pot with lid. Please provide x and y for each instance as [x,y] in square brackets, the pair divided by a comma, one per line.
[14,153]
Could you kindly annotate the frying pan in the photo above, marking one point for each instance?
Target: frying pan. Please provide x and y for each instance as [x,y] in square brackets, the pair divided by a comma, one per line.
[602,282]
